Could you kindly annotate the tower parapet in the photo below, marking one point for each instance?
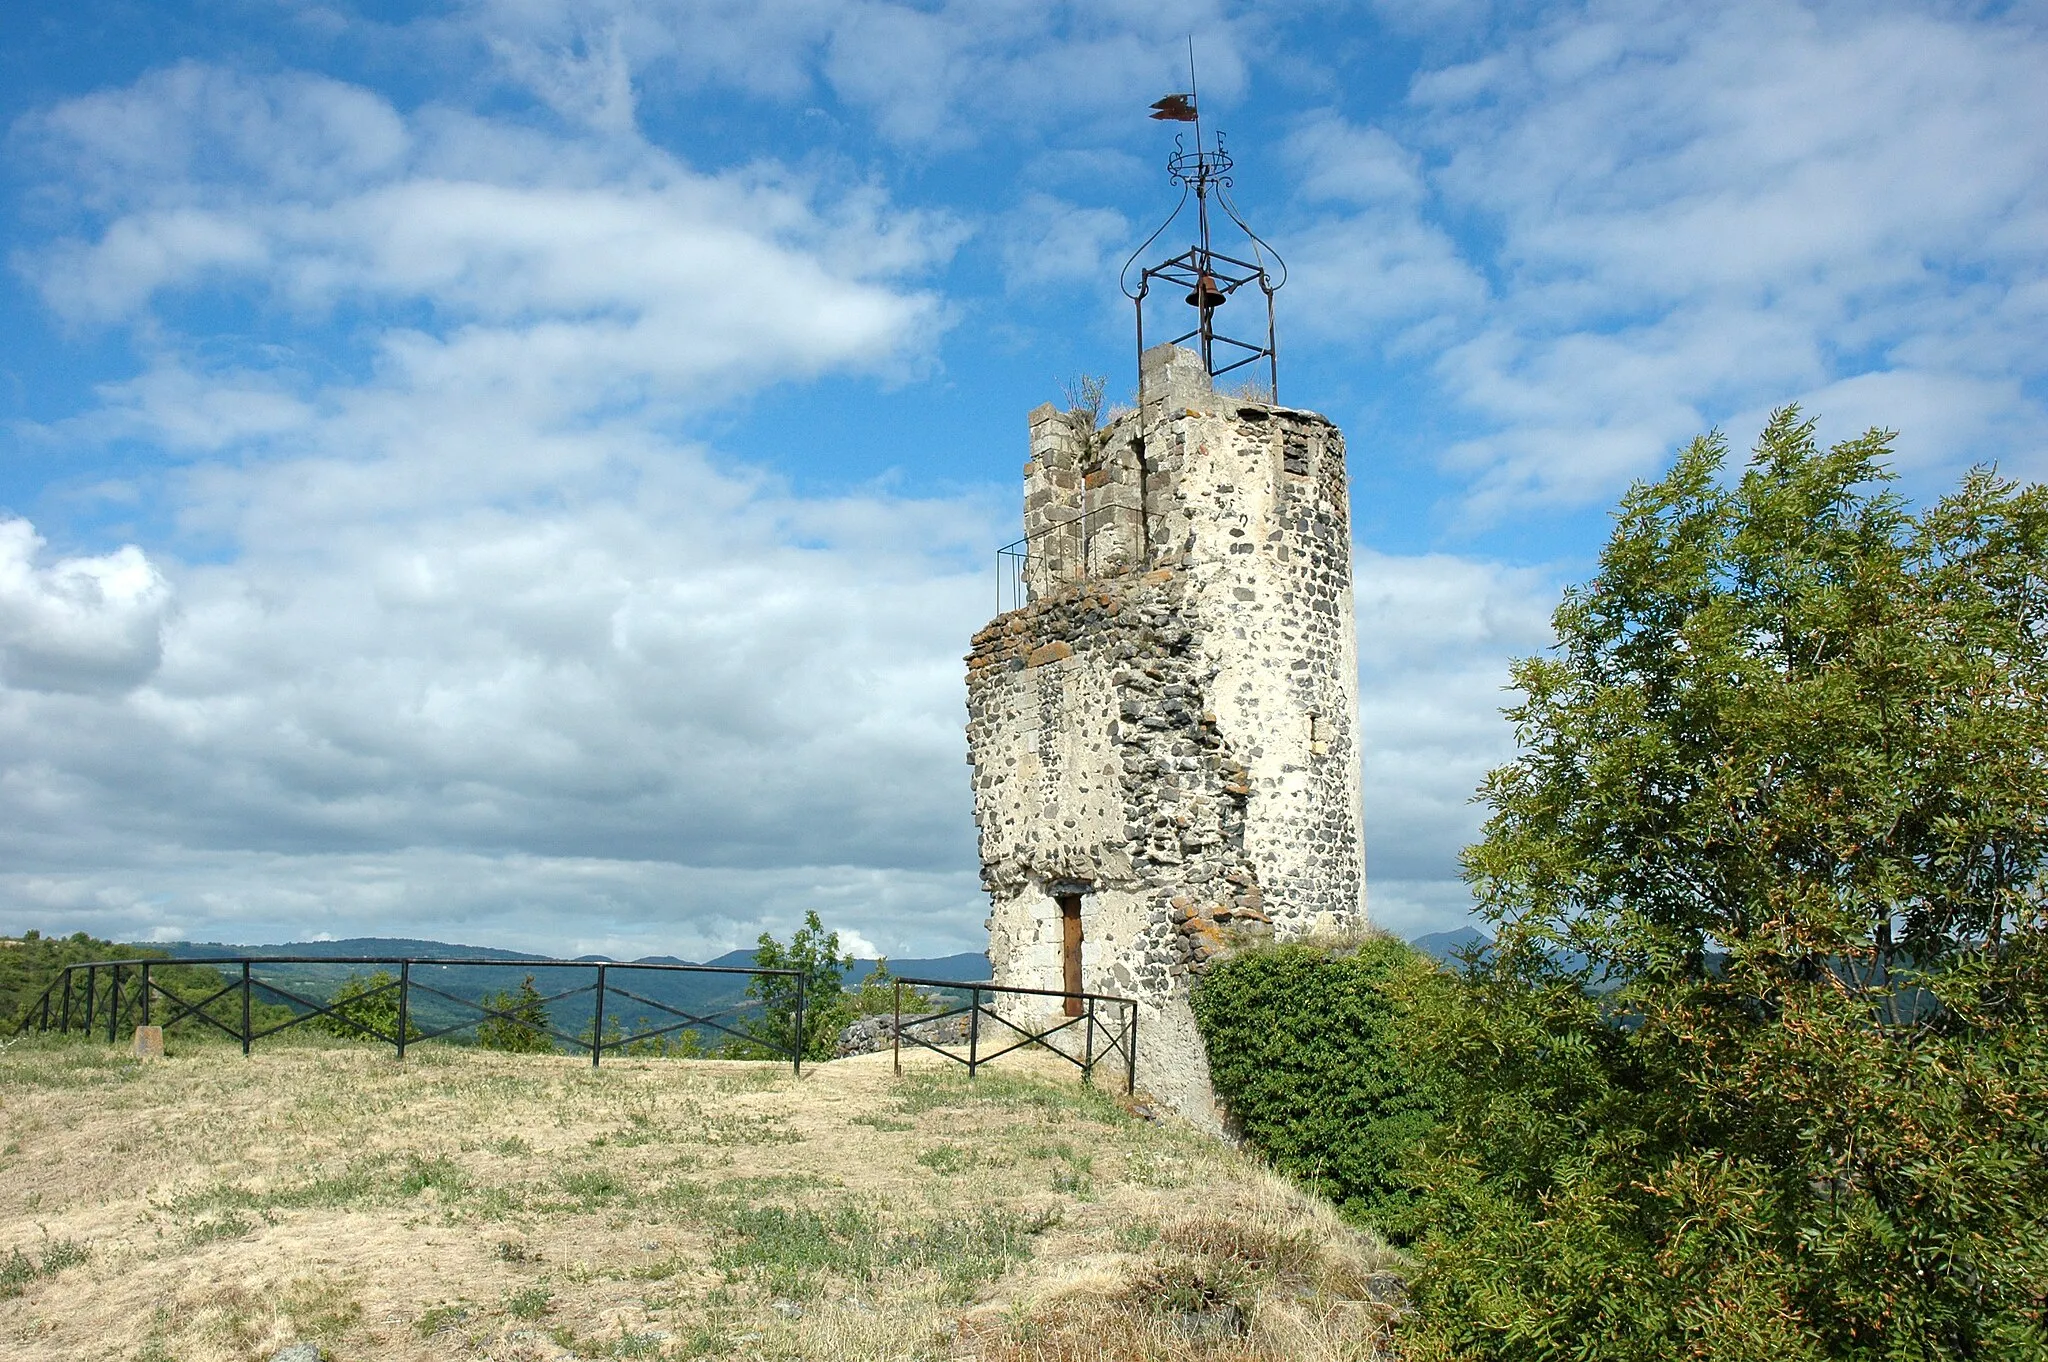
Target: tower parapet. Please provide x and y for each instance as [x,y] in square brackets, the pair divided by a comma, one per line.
[1164,732]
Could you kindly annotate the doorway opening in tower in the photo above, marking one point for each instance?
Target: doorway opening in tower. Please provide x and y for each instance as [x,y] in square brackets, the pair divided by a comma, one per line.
[1070,951]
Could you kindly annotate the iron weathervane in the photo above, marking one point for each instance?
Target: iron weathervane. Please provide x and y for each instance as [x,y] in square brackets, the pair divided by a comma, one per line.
[1209,277]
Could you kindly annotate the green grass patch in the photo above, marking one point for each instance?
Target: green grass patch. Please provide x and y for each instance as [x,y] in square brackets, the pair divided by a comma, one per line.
[792,1251]
[232,1225]
[772,1185]
[439,1319]
[438,1173]
[593,1187]
[15,1274]
[531,1303]
[948,1158]
[920,1093]
[971,1250]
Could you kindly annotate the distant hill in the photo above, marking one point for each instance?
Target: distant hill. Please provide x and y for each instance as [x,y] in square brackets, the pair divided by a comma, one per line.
[1446,945]
[966,967]
[696,994]
[355,945]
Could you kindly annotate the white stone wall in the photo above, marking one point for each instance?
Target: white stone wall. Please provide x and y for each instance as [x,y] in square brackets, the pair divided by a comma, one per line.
[1169,725]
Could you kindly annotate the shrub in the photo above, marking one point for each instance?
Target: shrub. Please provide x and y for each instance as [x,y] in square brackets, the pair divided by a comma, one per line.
[1303,1052]
[365,1007]
[523,1029]
[876,996]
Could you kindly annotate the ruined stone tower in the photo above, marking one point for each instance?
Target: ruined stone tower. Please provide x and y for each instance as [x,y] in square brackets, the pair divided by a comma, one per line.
[1164,731]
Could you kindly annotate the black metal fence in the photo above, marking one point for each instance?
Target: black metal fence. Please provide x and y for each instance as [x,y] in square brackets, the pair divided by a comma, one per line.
[113,992]
[1075,548]
[1103,1038]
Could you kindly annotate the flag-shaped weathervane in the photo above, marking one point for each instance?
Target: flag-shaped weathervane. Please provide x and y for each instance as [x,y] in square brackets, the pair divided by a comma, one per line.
[1175,109]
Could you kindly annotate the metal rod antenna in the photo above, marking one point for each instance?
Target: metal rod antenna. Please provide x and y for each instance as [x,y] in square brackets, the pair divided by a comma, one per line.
[1203,312]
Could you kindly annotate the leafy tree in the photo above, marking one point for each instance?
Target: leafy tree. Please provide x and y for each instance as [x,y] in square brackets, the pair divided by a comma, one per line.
[365,1007]
[1757,1066]
[523,1029]
[30,963]
[876,996]
[814,953]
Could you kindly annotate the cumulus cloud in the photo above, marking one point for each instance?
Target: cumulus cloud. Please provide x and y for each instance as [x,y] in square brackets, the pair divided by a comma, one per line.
[604,701]
[1048,240]
[487,647]
[84,625]
[931,76]
[1666,220]
[1435,635]
[546,905]
[1379,262]
[553,272]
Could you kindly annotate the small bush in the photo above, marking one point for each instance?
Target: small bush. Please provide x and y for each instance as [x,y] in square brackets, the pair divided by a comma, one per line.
[1302,1050]
[531,1303]
[522,1026]
[876,996]
[365,1007]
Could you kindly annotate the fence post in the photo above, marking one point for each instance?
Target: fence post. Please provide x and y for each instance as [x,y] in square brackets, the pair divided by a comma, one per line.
[597,1021]
[797,1050]
[973,1030]
[1088,1048]
[114,1005]
[92,997]
[65,1028]
[44,1025]
[145,993]
[248,1032]
[896,1032]
[404,1015]
[1131,1048]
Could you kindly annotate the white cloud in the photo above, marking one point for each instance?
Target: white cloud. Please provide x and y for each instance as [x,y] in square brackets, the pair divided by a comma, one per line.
[931,76]
[640,688]
[485,648]
[552,274]
[1048,240]
[1667,219]
[1435,634]
[79,625]
[542,904]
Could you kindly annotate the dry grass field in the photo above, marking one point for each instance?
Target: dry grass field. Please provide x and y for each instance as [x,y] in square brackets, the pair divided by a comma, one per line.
[466,1204]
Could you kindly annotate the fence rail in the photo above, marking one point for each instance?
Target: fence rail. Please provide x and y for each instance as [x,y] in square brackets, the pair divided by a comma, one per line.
[1118,1036]
[1071,542]
[140,996]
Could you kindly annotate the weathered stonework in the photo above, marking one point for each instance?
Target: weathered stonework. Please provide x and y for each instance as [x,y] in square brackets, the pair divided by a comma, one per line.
[1168,727]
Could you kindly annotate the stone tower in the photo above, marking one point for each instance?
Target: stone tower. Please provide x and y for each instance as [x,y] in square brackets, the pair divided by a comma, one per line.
[1164,732]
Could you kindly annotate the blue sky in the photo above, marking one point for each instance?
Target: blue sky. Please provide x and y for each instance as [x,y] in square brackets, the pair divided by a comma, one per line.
[525,472]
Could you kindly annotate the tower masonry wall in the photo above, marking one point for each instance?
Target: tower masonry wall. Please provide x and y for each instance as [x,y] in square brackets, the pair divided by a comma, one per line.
[1167,728]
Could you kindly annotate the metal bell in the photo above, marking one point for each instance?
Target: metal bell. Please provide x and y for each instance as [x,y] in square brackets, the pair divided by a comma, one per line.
[1205,294]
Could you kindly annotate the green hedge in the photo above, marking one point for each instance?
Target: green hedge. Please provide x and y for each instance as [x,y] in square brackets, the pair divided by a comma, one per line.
[1303,1055]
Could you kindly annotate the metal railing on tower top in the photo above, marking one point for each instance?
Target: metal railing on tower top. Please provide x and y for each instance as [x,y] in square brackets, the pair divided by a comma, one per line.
[1077,544]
